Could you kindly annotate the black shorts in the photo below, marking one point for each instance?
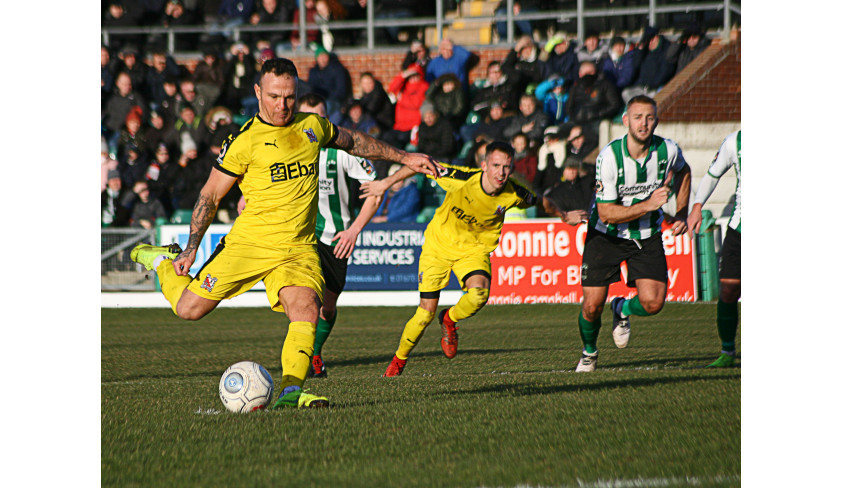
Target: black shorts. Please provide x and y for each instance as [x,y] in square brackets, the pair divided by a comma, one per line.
[730,256]
[334,269]
[603,254]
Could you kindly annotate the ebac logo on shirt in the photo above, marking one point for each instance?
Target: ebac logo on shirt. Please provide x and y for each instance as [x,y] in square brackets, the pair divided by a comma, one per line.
[290,171]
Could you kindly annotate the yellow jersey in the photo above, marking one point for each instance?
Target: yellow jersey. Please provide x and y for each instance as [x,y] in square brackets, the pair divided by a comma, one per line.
[278,170]
[469,220]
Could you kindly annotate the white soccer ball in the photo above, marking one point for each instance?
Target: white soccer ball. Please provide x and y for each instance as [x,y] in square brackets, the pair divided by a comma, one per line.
[246,386]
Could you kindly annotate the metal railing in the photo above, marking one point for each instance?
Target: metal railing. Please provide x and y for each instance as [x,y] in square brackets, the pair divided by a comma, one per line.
[118,272]
[581,13]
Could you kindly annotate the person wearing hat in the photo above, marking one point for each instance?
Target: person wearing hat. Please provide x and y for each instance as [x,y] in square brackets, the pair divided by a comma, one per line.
[436,134]
[330,80]
[560,56]
[113,213]
[618,65]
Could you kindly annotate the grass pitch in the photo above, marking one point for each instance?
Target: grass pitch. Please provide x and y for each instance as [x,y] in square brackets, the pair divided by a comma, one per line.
[507,411]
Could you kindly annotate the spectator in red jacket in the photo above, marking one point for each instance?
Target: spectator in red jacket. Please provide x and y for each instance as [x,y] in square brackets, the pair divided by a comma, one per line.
[409,89]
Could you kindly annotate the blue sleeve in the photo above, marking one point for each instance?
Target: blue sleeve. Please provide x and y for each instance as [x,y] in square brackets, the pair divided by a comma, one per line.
[542,89]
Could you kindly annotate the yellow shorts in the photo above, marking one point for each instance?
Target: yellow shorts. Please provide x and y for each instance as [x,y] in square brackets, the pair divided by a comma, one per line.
[435,268]
[234,269]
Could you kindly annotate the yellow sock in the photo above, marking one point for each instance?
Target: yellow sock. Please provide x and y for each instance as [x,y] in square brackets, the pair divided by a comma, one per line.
[172,285]
[296,353]
[469,304]
[413,331]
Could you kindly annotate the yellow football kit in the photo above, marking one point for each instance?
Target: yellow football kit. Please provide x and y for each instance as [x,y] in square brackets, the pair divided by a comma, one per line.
[466,228]
[273,239]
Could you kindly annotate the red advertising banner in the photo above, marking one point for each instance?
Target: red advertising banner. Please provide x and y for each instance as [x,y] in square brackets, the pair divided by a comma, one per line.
[538,261]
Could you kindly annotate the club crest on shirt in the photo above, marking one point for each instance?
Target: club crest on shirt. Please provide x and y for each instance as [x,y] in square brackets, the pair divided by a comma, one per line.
[310,135]
[209,283]
[500,210]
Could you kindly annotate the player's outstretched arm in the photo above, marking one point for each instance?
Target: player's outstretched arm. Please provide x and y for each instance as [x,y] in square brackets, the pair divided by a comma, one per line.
[363,145]
[204,211]
[377,188]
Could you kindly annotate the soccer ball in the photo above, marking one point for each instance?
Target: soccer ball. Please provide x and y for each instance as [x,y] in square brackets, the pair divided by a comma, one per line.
[246,386]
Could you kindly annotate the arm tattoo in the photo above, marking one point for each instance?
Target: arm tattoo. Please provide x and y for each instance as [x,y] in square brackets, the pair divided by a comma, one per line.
[365,146]
[203,214]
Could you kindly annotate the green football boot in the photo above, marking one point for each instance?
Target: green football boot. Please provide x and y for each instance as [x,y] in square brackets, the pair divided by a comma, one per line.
[295,397]
[145,254]
[724,361]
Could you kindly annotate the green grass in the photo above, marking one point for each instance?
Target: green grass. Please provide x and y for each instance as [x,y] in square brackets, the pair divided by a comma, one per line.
[507,411]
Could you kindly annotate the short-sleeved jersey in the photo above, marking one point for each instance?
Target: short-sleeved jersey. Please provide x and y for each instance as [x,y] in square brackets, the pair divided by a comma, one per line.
[625,181]
[277,169]
[469,220]
[729,155]
[335,167]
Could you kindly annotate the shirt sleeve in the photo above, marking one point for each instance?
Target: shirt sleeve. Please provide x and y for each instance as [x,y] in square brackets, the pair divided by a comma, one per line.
[606,178]
[723,160]
[453,177]
[360,169]
[234,155]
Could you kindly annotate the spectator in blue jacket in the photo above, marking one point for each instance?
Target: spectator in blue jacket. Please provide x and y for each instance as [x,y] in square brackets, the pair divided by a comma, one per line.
[401,203]
[451,59]
[551,94]
[618,66]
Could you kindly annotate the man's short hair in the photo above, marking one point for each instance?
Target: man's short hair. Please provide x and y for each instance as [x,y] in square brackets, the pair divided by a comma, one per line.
[312,100]
[278,67]
[640,99]
[501,146]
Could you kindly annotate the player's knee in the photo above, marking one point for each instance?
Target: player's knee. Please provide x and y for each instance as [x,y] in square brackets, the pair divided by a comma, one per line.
[652,306]
[730,290]
[592,311]
[187,312]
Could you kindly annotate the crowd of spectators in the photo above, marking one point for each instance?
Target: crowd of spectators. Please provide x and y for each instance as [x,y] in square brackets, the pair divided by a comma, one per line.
[163,125]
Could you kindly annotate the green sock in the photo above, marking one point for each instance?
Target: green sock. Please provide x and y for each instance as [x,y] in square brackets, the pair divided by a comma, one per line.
[323,330]
[588,333]
[727,324]
[633,306]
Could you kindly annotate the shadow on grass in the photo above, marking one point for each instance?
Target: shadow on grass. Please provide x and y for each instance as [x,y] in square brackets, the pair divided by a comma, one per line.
[385,359]
[698,362]
[601,385]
